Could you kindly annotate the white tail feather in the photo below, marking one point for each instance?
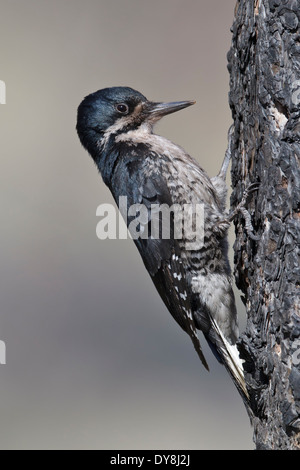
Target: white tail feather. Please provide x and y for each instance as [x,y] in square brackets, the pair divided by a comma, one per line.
[233,362]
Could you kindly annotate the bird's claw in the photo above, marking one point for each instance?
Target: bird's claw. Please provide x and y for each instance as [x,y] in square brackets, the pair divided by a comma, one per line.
[240,208]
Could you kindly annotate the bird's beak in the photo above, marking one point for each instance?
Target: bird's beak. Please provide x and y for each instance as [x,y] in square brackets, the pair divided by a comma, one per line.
[158,110]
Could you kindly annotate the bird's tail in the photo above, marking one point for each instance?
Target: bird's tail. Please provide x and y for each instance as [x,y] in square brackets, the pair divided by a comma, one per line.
[232,361]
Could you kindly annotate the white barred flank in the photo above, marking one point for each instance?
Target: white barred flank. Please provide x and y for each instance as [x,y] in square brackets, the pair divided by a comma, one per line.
[216,294]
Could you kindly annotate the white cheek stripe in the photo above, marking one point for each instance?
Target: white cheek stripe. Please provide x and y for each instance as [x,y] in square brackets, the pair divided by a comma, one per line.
[120,124]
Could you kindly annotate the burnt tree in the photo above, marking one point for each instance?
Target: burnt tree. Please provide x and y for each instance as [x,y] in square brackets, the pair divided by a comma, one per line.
[264,97]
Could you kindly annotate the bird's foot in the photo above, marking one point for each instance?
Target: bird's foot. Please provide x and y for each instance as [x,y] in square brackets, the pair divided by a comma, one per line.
[241,209]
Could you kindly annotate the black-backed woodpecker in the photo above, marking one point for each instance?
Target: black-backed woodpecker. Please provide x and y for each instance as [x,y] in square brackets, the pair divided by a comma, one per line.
[115,125]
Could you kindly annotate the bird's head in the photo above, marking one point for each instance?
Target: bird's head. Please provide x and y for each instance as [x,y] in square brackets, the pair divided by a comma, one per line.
[105,114]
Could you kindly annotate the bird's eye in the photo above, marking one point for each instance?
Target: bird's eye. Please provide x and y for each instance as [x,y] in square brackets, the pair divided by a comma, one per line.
[122,108]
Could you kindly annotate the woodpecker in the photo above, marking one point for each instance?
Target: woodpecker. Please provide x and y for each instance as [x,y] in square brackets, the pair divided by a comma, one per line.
[115,125]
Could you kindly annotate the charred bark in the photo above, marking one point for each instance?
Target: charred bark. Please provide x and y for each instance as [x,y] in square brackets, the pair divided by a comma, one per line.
[264,66]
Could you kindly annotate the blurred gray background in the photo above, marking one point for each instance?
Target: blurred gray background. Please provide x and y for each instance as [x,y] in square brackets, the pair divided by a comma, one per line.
[94,360]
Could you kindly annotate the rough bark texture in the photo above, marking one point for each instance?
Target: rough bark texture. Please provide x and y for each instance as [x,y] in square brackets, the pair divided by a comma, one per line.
[264,71]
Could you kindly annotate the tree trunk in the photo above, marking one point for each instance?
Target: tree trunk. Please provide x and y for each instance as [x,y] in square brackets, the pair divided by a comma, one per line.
[264,97]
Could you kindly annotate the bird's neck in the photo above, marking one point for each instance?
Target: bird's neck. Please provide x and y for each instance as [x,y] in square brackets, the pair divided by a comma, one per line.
[105,157]
[106,150]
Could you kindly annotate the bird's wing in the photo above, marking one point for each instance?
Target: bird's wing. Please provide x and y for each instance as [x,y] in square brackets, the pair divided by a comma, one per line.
[163,261]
